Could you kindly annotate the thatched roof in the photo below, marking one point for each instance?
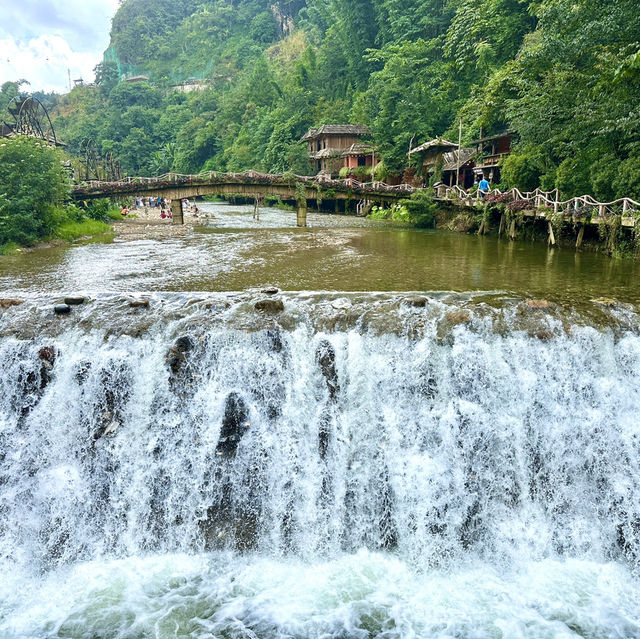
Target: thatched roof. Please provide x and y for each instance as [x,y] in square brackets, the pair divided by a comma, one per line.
[439,143]
[336,129]
[326,153]
[491,138]
[451,158]
[359,149]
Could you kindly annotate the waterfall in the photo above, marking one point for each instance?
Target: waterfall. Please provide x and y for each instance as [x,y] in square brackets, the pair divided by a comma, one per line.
[407,452]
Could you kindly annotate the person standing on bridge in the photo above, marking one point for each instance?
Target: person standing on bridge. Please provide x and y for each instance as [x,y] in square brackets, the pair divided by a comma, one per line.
[484,187]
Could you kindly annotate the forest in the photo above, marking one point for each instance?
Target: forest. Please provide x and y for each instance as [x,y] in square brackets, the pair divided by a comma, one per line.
[563,74]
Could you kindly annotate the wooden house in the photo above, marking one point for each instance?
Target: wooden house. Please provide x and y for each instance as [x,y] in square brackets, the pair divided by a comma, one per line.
[333,146]
[490,150]
[439,156]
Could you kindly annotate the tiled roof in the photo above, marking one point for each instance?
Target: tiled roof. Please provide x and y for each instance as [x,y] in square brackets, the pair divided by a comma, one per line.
[337,129]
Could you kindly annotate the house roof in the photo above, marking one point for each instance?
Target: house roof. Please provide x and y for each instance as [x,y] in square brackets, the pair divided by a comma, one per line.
[326,153]
[490,138]
[435,143]
[359,149]
[336,129]
[451,158]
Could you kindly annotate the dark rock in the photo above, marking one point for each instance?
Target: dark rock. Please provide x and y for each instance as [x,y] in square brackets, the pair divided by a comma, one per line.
[8,302]
[234,425]
[274,339]
[417,302]
[74,301]
[177,355]
[62,309]
[324,435]
[47,354]
[140,304]
[185,344]
[326,357]
[270,306]
[270,290]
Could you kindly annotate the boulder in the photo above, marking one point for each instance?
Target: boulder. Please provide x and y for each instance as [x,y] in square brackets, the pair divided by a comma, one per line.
[47,354]
[140,303]
[74,301]
[62,309]
[417,301]
[270,306]
[270,290]
[177,355]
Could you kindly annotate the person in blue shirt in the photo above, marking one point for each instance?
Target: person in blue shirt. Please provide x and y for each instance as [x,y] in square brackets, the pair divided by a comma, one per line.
[483,187]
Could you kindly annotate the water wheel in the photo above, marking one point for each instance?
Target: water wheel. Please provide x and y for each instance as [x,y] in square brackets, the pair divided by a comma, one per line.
[30,117]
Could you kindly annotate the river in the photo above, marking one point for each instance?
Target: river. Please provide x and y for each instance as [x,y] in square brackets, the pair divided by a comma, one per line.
[423,435]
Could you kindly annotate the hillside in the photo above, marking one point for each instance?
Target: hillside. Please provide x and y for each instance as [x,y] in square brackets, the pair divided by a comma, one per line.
[564,74]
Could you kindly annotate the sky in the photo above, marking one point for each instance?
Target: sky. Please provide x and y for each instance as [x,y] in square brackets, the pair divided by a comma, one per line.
[40,40]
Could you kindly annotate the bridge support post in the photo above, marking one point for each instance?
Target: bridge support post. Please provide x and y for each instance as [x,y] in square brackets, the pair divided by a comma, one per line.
[302,212]
[177,216]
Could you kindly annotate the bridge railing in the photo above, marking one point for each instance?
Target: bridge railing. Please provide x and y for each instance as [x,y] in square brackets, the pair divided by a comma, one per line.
[178,179]
[582,206]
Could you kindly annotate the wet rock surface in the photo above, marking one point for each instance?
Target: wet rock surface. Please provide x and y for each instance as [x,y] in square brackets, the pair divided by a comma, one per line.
[75,300]
[269,306]
[8,302]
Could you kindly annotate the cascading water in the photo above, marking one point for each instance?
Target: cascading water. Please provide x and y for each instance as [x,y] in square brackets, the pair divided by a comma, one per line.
[371,467]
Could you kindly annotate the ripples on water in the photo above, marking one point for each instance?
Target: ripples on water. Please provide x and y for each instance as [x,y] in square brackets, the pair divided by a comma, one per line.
[232,253]
[452,466]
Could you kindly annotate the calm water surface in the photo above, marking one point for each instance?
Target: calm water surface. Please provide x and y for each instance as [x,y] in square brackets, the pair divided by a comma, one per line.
[234,252]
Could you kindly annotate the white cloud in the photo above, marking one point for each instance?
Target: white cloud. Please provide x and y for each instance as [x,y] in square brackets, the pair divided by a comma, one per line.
[41,41]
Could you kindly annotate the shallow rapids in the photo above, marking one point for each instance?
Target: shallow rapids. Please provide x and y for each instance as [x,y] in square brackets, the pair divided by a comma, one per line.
[319,466]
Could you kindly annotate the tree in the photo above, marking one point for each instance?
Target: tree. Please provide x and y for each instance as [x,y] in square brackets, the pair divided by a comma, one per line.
[33,182]
[106,76]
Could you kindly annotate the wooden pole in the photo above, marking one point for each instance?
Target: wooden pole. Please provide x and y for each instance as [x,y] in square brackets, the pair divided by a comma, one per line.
[580,237]
[552,237]
[302,212]
[459,148]
[501,224]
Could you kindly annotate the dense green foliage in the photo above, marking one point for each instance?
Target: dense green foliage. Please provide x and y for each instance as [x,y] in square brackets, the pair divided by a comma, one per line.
[564,74]
[34,191]
[32,184]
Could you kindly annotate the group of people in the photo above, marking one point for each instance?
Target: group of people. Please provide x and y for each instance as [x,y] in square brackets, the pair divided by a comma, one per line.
[160,203]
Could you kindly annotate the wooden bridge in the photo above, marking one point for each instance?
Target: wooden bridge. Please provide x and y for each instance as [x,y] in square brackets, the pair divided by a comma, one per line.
[297,188]
[547,205]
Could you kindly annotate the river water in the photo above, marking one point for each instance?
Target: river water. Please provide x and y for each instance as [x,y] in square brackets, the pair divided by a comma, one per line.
[400,444]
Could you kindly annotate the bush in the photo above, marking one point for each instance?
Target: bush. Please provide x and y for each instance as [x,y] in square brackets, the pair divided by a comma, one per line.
[522,169]
[421,209]
[32,183]
[102,210]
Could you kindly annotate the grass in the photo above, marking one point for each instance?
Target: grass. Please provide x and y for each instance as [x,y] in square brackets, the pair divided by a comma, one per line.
[70,231]
[10,248]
